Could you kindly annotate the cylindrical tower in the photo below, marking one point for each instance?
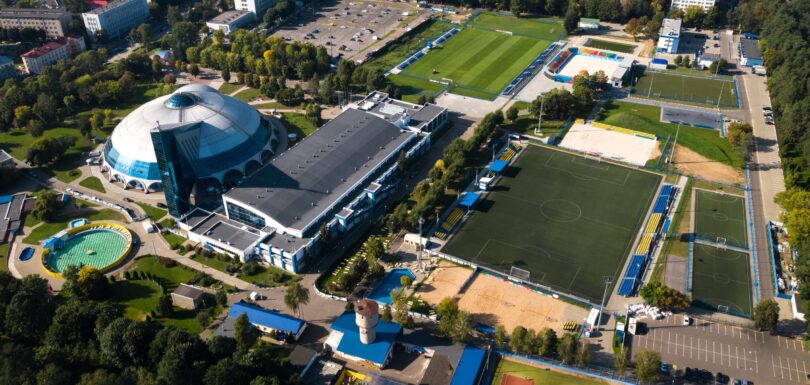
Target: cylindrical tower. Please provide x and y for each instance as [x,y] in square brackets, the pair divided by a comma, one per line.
[366,317]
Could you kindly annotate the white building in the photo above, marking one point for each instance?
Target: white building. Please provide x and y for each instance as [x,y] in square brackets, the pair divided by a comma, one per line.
[230,20]
[53,21]
[683,4]
[116,18]
[257,7]
[7,68]
[62,49]
[669,36]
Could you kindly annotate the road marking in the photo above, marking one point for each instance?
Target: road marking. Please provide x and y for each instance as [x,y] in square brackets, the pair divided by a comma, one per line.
[756,362]
[691,347]
[773,366]
[668,342]
[737,353]
[714,354]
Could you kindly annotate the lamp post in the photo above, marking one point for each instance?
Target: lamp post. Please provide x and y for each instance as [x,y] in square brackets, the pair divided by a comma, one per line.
[421,246]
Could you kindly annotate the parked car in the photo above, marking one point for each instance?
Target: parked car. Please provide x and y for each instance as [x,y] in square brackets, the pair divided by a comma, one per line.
[161,205]
[686,320]
[721,378]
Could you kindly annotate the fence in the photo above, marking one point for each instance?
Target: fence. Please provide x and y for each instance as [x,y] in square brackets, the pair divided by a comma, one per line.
[714,101]
[593,371]
[753,238]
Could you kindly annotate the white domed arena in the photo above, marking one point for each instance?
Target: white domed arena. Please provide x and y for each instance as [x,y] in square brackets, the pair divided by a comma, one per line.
[194,138]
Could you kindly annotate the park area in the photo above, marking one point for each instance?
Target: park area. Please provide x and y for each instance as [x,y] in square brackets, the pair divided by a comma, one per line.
[722,279]
[718,91]
[720,218]
[535,219]
[510,372]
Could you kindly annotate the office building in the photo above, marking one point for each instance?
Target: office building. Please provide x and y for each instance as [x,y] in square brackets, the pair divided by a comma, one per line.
[53,21]
[116,18]
[669,36]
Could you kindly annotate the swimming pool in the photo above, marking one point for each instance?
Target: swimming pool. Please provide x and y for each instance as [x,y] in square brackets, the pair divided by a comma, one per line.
[78,222]
[27,253]
[391,281]
[100,247]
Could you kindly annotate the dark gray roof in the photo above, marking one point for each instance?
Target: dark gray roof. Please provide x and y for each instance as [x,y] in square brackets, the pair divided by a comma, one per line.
[195,217]
[225,329]
[322,372]
[110,6]
[392,110]
[188,291]
[228,17]
[286,242]
[750,49]
[36,13]
[224,230]
[300,184]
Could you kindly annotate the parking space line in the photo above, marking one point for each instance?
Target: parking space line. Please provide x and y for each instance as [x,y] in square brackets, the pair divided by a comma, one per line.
[773,366]
[737,353]
[691,348]
[714,354]
[668,342]
[706,351]
[756,362]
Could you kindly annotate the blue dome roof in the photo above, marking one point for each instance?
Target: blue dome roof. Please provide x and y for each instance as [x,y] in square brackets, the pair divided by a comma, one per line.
[180,100]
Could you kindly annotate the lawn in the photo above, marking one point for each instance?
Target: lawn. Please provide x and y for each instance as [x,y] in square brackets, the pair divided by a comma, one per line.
[646,118]
[249,94]
[229,88]
[721,277]
[537,217]
[268,277]
[526,124]
[539,375]
[93,183]
[59,223]
[547,29]
[697,89]
[298,123]
[269,105]
[154,213]
[720,216]
[173,239]
[610,46]
[4,249]
[480,62]
[411,87]
[408,44]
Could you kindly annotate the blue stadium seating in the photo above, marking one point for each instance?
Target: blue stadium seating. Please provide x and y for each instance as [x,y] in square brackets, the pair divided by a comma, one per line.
[633,275]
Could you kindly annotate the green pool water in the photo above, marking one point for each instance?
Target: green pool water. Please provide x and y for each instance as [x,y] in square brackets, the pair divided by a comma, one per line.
[106,245]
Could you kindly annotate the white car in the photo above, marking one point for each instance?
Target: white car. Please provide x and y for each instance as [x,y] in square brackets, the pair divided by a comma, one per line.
[687,321]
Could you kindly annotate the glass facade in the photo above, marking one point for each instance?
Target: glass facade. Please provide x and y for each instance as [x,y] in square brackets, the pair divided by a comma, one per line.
[239,213]
[176,186]
[128,166]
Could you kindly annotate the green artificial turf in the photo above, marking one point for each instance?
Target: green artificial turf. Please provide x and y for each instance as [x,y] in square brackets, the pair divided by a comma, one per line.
[480,62]
[540,376]
[721,277]
[93,183]
[412,87]
[568,220]
[706,90]
[641,117]
[610,46]
[720,216]
[408,44]
[547,29]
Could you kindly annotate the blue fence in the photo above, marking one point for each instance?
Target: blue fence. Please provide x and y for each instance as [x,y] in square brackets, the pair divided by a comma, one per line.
[689,256]
[419,53]
[530,70]
[753,238]
[771,248]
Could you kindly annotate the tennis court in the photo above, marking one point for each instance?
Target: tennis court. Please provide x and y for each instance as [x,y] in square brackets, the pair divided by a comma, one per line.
[688,88]
[720,218]
[569,221]
[721,279]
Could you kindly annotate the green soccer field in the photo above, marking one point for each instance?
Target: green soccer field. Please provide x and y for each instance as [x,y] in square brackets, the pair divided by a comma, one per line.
[547,29]
[687,88]
[610,46]
[480,62]
[720,216]
[721,277]
[568,220]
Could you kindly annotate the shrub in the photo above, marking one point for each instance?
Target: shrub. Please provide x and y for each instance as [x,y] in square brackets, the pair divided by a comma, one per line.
[251,268]
[168,262]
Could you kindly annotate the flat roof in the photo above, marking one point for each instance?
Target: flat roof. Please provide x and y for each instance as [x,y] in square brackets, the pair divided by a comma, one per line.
[750,49]
[306,180]
[109,6]
[188,291]
[268,318]
[392,110]
[34,13]
[670,28]
[230,16]
[468,366]
[233,233]
[376,351]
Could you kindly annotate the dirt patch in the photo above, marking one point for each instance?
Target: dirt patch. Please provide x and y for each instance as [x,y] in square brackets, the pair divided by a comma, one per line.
[692,163]
[509,379]
[655,153]
[647,48]
[444,281]
[494,301]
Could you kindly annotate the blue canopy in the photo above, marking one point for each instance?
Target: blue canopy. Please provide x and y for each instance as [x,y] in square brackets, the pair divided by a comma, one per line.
[498,166]
[468,366]
[469,199]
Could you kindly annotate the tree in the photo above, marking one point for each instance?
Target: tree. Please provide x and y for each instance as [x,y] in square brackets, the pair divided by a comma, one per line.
[91,283]
[500,335]
[557,104]
[387,314]
[22,115]
[97,119]
[548,346]
[244,333]
[518,339]
[454,323]
[686,62]
[226,75]
[221,297]
[583,355]
[36,127]
[296,296]
[405,281]
[620,362]
[518,6]
[164,306]
[693,16]
[678,60]
[648,365]
[313,114]
[512,113]
[571,20]
[567,348]
[400,306]
[194,70]
[46,205]
[85,128]
[657,294]
[633,28]
[766,315]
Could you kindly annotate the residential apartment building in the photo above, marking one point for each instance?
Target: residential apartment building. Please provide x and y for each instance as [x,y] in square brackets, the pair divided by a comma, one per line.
[7,69]
[116,18]
[257,7]
[683,4]
[53,21]
[62,49]
[669,36]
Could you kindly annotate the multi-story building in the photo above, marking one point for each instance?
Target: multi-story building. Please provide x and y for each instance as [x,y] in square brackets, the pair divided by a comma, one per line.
[7,69]
[257,7]
[53,21]
[669,36]
[683,4]
[230,20]
[61,49]
[116,18]
[749,53]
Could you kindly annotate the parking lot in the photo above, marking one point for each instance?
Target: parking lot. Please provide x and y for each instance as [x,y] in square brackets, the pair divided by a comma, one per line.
[348,26]
[735,351]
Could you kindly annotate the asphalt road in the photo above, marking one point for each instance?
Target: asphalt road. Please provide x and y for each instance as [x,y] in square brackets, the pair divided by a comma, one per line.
[735,351]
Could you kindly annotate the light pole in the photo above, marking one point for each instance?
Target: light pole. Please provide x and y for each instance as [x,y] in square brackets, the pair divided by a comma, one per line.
[675,143]
[538,130]
[608,281]
[421,245]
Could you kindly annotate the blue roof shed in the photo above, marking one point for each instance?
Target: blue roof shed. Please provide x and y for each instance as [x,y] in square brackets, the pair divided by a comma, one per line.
[498,166]
[268,318]
[469,199]
[468,366]
[376,352]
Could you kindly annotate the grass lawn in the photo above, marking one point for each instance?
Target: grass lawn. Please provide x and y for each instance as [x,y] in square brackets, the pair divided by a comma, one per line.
[539,375]
[646,118]
[269,105]
[298,123]
[249,94]
[526,124]
[152,212]
[411,88]
[481,62]
[173,239]
[61,222]
[720,216]
[408,44]
[721,277]
[4,248]
[229,88]
[610,46]
[698,89]
[547,28]
[535,217]
[268,277]
[214,263]
[93,183]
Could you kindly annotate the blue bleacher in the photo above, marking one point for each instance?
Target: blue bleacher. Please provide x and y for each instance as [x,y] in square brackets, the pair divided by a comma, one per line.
[632,275]
[627,287]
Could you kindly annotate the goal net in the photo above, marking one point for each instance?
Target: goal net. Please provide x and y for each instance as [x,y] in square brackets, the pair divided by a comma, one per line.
[722,309]
[520,273]
[721,242]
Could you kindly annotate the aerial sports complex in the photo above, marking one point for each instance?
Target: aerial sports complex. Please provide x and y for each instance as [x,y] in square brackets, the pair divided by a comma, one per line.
[488,56]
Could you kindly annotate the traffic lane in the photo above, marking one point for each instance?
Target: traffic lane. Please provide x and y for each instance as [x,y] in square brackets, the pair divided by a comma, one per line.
[732,350]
